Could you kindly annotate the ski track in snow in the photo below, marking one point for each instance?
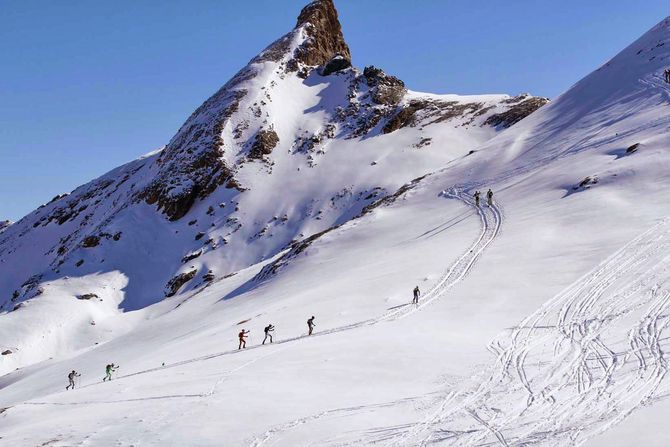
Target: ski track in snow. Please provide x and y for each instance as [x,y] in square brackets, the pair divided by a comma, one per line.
[562,376]
[491,220]
[565,374]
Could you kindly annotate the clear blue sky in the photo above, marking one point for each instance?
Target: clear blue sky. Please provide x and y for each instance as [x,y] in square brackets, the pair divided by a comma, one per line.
[88,85]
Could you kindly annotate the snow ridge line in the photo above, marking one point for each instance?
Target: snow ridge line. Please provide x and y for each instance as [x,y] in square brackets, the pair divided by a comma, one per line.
[566,382]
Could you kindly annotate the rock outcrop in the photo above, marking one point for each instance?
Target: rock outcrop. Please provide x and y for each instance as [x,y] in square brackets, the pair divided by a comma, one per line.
[324,34]
[176,283]
[338,63]
[524,106]
[4,224]
[384,89]
[265,141]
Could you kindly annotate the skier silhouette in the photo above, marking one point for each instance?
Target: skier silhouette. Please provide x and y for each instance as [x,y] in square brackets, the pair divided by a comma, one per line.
[310,325]
[476,196]
[417,294]
[489,197]
[71,377]
[269,328]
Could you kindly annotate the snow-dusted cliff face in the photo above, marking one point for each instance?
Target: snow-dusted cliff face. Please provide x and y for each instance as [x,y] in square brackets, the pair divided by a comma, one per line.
[296,143]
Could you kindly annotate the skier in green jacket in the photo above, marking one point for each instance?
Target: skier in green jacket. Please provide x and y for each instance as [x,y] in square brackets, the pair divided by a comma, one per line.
[109,369]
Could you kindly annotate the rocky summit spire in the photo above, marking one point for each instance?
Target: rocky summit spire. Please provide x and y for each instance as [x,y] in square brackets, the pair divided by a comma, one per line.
[325,40]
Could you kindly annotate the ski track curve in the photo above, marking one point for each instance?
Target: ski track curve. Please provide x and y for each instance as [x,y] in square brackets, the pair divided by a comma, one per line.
[582,363]
[491,221]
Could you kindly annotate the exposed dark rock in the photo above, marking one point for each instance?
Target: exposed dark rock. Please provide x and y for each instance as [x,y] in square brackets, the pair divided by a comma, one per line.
[191,256]
[516,113]
[387,200]
[325,39]
[91,241]
[431,111]
[632,148]
[79,263]
[425,141]
[6,352]
[29,289]
[404,118]
[199,235]
[209,276]
[87,296]
[586,182]
[265,141]
[384,89]
[4,224]
[176,283]
[336,64]
[192,164]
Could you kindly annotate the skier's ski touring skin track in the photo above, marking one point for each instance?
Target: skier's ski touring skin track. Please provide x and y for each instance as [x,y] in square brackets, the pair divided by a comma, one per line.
[491,221]
[563,375]
[566,374]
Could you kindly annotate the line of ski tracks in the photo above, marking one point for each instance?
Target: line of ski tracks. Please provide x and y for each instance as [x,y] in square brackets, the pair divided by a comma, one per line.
[491,220]
[580,364]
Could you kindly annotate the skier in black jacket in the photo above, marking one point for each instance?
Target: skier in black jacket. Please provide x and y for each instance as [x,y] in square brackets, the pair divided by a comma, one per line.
[269,328]
[71,377]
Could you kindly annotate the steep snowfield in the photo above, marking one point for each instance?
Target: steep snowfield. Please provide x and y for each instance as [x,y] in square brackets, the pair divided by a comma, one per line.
[542,317]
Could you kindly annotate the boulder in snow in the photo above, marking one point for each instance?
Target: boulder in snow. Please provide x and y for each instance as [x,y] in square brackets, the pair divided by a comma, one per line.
[336,64]
[176,283]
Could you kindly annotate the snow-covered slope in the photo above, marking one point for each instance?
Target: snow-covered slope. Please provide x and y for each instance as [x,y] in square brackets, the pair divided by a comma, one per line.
[298,142]
[542,317]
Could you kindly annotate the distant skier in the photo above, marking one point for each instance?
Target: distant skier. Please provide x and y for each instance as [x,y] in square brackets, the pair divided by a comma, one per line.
[476,196]
[666,74]
[109,369]
[71,377]
[417,294]
[489,197]
[310,325]
[268,329]
[243,339]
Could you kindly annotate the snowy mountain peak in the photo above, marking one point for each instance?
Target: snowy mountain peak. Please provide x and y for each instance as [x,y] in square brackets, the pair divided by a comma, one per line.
[296,144]
[324,34]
